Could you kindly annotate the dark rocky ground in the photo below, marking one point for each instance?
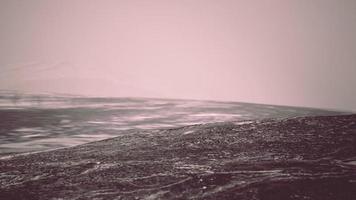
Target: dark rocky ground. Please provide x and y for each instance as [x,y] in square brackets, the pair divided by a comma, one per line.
[39,122]
[297,158]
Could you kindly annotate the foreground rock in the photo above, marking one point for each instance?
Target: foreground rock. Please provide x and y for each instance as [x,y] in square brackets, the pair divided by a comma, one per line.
[299,158]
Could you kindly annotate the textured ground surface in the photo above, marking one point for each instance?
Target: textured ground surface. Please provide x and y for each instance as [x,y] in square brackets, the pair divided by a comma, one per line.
[298,158]
[31,122]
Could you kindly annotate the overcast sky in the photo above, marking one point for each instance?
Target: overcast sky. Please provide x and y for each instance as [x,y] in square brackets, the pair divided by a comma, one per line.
[300,52]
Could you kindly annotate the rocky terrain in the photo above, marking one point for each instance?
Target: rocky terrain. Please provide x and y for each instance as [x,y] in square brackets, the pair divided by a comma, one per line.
[295,158]
[41,122]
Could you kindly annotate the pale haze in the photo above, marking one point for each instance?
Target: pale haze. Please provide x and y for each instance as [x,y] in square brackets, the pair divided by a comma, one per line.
[300,53]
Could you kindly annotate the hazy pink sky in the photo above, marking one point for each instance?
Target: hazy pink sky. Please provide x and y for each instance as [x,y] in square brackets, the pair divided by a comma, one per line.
[300,52]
